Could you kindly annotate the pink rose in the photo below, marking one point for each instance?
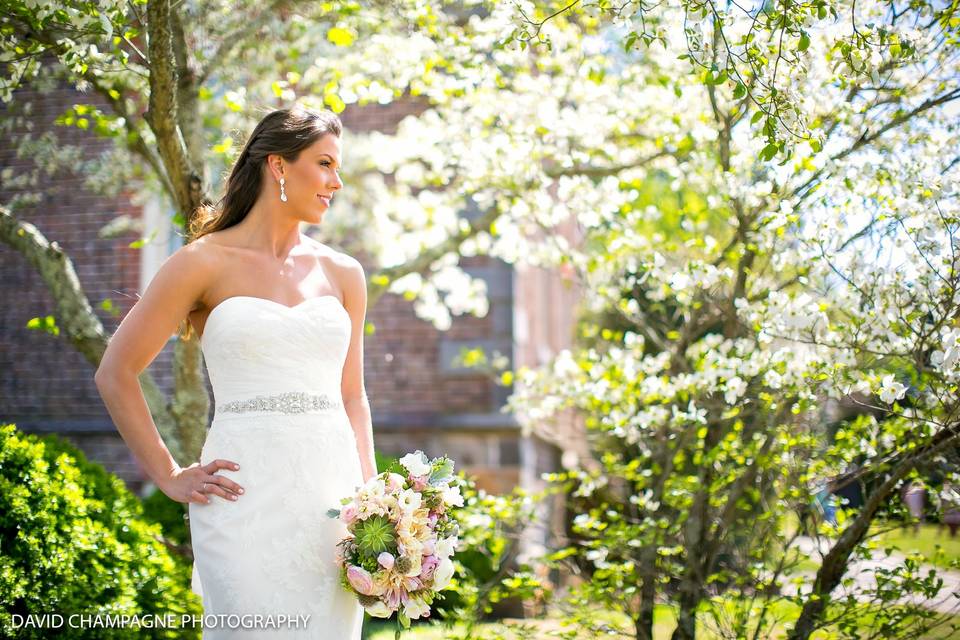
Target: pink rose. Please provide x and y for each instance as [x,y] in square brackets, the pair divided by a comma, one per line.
[432,520]
[360,579]
[349,513]
[386,560]
[419,482]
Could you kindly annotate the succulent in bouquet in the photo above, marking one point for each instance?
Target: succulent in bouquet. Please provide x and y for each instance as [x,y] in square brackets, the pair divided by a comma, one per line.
[399,551]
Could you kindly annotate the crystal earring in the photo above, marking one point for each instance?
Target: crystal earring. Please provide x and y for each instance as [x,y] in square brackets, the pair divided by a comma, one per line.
[283,194]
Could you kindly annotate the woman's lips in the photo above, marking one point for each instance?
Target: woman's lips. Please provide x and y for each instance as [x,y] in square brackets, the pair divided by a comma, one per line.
[324,199]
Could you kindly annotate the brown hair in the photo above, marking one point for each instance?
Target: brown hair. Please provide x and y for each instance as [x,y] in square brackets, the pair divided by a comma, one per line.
[285,132]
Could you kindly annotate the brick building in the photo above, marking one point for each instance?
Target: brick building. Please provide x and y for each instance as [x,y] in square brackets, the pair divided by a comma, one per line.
[418,398]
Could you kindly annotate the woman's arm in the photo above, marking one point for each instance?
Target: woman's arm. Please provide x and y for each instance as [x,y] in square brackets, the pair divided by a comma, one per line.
[142,334]
[352,388]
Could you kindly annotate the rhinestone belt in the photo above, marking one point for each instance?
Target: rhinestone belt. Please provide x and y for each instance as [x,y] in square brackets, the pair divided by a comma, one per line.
[288,402]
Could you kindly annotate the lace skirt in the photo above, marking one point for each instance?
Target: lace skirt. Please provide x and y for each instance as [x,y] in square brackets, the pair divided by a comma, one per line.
[271,552]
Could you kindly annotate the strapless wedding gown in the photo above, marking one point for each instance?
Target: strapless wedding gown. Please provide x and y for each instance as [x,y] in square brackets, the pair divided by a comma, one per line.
[275,372]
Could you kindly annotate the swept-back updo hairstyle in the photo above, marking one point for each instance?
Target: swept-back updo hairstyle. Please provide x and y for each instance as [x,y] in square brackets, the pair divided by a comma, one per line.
[285,132]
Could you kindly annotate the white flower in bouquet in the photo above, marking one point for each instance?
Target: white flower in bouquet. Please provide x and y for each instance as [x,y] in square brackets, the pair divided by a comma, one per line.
[452,497]
[445,547]
[409,500]
[415,608]
[416,464]
[379,610]
[443,574]
[394,482]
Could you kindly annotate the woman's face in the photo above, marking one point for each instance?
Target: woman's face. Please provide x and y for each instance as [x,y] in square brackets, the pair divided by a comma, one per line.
[311,181]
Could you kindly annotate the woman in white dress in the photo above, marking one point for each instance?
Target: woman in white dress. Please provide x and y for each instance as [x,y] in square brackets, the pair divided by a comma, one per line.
[280,319]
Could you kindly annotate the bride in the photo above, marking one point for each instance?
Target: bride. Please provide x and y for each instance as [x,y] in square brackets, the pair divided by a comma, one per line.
[280,322]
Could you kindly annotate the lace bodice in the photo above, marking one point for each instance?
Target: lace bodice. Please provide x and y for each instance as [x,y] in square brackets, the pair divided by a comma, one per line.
[286,356]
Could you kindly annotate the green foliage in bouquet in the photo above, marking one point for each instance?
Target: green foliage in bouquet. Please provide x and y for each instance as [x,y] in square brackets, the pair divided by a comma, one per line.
[73,540]
[374,535]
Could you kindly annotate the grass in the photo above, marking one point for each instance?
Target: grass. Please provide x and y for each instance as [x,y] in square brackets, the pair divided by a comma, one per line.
[933,542]
[664,622]
[664,618]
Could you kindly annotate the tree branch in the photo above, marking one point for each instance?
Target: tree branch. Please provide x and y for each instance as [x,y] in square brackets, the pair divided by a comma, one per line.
[162,113]
[75,316]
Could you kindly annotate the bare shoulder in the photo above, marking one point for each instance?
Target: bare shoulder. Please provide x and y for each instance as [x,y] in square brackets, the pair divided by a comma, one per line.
[195,259]
[197,262]
[333,258]
[213,244]
[344,269]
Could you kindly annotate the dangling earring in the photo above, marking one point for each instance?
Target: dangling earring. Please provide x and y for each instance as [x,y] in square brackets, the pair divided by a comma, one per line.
[283,194]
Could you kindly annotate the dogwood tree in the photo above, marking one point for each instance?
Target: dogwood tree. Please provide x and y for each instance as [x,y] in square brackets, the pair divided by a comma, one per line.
[738,297]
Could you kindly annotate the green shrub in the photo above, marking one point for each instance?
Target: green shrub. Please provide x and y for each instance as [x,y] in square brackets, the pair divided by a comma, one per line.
[169,514]
[489,572]
[73,540]
[388,463]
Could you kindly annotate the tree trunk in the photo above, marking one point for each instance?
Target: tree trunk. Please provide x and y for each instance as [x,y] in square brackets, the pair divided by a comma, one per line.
[648,592]
[687,615]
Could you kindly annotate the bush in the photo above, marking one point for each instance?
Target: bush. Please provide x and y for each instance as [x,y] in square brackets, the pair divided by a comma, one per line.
[73,540]
[490,575]
[169,514]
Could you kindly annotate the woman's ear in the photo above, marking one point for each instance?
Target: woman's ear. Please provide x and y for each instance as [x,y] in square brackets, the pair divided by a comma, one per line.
[275,164]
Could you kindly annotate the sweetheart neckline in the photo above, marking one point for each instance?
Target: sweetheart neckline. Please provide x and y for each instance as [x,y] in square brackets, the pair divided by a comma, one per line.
[206,324]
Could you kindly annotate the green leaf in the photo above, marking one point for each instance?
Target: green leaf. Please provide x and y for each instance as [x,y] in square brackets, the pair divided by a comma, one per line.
[804,41]
[335,103]
[340,37]
[442,474]
[769,151]
[47,323]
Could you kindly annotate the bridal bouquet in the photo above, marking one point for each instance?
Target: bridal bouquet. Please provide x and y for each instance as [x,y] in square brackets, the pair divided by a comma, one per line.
[398,555]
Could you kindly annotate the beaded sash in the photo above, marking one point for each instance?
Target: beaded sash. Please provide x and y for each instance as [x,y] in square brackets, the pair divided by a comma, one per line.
[287,402]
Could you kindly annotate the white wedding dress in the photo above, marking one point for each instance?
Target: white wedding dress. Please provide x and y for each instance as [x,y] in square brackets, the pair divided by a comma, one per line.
[275,372]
